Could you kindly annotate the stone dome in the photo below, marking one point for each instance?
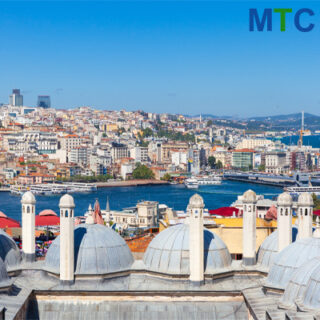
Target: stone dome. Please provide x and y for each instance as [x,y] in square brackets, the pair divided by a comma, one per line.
[66,201]
[168,252]
[269,248]
[249,196]
[311,298]
[284,199]
[290,259]
[98,250]
[296,288]
[28,198]
[196,201]
[305,199]
[9,251]
[5,282]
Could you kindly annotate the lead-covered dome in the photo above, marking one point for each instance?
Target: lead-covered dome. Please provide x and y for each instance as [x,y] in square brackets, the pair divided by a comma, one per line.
[296,288]
[311,299]
[9,251]
[290,259]
[98,250]
[168,252]
[269,248]
[5,282]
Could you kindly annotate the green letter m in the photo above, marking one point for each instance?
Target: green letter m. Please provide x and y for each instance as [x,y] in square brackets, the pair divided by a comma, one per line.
[254,19]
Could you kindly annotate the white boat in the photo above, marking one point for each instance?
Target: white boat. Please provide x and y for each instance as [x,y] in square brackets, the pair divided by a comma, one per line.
[47,189]
[298,190]
[209,180]
[191,183]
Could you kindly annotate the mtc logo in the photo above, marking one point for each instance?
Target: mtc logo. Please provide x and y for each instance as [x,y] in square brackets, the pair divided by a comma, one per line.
[266,19]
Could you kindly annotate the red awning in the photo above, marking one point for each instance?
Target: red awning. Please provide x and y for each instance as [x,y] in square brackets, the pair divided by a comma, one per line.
[47,220]
[225,211]
[316,212]
[6,222]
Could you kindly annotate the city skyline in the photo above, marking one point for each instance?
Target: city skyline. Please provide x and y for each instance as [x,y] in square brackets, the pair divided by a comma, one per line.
[181,57]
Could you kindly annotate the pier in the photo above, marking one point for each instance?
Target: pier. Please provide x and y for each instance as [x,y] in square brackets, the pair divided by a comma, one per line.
[269,180]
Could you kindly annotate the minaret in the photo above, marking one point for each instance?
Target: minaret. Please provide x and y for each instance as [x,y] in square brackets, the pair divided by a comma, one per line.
[28,202]
[284,217]
[89,219]
[196,246]
[249,228]
[305,213]
[67,239]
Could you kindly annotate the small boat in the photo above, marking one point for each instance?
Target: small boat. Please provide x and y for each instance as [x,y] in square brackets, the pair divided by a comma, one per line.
[191,183]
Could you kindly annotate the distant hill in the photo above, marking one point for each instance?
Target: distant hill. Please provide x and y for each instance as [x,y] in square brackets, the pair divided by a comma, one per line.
[286,117]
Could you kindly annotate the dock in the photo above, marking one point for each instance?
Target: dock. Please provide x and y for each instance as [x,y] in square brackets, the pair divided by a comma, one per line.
[269,180]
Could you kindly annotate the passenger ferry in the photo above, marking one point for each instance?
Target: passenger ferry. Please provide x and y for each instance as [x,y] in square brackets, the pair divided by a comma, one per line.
[54,188]
[195,182]
[298,190]
[191,183]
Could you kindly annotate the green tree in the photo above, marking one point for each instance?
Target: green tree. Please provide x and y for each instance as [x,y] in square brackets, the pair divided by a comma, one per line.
[316,201]
[147,132]
[209,123]
[219,165]
[262,167]
[212,162]
[166,177]
[142,172]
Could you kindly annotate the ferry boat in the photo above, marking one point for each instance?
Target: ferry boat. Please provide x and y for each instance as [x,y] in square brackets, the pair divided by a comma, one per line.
[54,188]
[191,183]
[298,190]
[209,180]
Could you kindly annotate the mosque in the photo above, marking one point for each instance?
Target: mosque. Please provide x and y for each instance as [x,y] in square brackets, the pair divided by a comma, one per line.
[186,272]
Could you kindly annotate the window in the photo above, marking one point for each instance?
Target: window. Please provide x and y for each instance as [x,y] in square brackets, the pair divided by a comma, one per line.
[28,209]
[66,213]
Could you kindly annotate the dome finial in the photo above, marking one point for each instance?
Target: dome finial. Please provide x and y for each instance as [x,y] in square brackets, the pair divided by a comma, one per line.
[66,201]
[305,199]
[249,196]
[28,198]
[284,199]
[196,201]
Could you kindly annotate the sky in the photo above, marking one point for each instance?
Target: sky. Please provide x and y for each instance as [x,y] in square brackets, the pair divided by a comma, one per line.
[178,57]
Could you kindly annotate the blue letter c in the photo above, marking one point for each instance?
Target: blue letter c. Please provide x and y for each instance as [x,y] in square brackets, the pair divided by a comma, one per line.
[297,20]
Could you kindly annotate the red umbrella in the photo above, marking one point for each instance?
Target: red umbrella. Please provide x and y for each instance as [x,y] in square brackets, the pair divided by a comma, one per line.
[6,222]
[47,218]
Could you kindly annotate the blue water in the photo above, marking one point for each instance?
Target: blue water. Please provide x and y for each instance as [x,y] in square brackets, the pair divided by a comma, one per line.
[175,196]
[313,141]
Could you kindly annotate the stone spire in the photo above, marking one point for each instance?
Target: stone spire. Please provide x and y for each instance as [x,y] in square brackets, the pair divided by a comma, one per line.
[108,205]
[196,241]
[305,214]
[67,239]
[284,217]
[28,203]
[249,228]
